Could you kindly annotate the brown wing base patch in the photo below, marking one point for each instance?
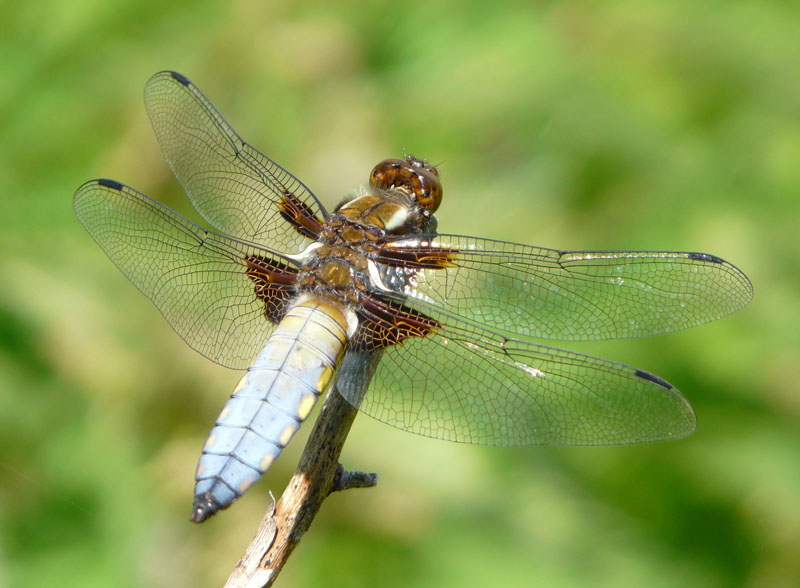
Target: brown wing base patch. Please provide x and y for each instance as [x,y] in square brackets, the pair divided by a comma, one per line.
[384,323]
[274,284]
[300,216]
[421,257]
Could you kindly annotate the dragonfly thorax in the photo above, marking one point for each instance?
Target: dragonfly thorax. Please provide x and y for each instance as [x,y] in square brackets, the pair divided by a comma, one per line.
[338,270]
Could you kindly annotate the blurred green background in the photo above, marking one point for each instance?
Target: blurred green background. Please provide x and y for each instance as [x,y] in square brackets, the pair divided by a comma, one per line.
[635,125]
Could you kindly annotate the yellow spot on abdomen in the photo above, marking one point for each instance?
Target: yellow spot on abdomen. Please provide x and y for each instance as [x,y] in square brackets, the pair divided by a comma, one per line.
[306,404]
[325,377]
[210,441]
[247,483]
[266,461]
[286,435]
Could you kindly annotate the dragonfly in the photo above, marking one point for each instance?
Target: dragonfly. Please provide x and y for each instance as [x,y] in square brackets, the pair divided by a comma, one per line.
[430,332]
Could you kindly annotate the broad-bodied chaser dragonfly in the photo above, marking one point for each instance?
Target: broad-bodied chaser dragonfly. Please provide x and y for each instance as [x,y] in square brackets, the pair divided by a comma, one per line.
[425,331]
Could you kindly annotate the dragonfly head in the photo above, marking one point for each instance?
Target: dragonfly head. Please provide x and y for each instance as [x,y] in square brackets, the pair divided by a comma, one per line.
[420,178]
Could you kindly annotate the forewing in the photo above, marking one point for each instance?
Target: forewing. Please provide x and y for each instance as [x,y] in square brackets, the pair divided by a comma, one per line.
[463,383]
[232,185]
[197,279]
[566,295]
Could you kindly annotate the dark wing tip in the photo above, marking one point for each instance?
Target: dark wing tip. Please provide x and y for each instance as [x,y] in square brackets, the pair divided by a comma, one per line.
[682,420]
[705,257]
[745,290]
[204,506]
[106,183]
[180,78]
[653,378]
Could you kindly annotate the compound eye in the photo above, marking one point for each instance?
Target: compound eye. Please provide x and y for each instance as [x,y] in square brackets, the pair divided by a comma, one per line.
[428,190]
[413,174]
[387,174]
[422,164]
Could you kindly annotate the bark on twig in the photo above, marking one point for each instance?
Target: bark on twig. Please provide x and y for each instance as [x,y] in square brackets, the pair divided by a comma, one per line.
[318,474]
[344,480]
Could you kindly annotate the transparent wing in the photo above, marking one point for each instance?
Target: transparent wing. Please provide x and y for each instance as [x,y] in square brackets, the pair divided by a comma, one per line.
[196,278]
[566,295]
[467,384]
[233,186]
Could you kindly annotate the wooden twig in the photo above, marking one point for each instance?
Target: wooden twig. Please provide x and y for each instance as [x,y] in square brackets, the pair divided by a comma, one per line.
[344,480]
[318,475]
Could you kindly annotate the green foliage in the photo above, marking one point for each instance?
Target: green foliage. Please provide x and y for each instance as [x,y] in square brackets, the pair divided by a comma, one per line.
[612,125]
